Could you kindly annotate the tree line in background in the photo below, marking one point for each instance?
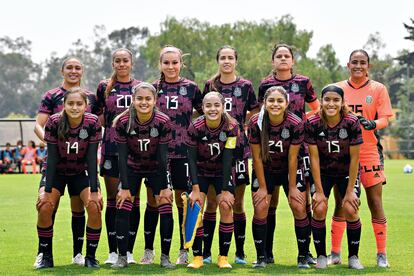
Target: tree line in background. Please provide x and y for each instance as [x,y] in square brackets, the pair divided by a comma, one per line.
[23,81]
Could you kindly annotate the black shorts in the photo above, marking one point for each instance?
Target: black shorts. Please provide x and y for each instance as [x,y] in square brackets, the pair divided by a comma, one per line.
[241,172]
[216,182]
[109,166]
[179,174]
[155,181]
[76,183]
[304,162]
[279,179]
[341,182]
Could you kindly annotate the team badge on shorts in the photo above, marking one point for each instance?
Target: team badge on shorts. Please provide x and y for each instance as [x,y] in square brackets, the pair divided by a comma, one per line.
[255,183]
[294,87]
[343,133]
[83,133]
[154,132]
[223,136]
[183,91]
[107,164]
[285,133]
[368,99]
[237,92]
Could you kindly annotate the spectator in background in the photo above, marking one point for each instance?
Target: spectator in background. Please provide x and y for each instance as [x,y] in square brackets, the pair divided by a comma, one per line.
[7,157]
[17,154]
[29,157]
[41,153]
[2,166]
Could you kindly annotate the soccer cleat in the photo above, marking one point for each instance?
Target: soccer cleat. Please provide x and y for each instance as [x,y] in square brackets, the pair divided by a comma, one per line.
[112,258]
[130,258]
[321,262]
[197,262]
[223,262]
[148,257]
[78,260]
[240,260]
[270,259]
[121,262]
[182,257]
[382,261]
[303,262]
[334,258]
[91,262]
[310,259]
[38,259]
[354,263]
[44,261]
[165,262]
[207,260]
[259,263]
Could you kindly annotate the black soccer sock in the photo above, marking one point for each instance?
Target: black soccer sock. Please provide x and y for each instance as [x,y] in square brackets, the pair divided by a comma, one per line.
[270,231]
[180,221]
[301,231]
[54,216]
[209,225]
[353,232]
[92,241]
[110,216]
[45,239]
[309,214]
[78,231]
[150,226]
[133,224]
[259,229]
[166,227]
[198,242]
[239,233]
[122,227]
[319,236]
[225,233]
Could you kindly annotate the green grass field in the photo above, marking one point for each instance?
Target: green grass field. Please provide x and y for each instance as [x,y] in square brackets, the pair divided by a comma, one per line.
[18,238]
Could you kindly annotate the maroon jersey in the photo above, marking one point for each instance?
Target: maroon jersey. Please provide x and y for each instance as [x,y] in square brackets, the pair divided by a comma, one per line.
[143,140]
[73,149]
[281,136]
[333,143]
[177,100]
[210,144]
[119,99]
[299,89]
[52,102]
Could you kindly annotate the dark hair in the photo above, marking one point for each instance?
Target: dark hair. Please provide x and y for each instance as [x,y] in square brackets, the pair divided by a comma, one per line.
[113,79]
[31,143]
[280,45]
[131,109]
[359,51]
[264,131]
[66,61]
[216,78]
[226,116]
[344,109]
[63,124]
[8,144]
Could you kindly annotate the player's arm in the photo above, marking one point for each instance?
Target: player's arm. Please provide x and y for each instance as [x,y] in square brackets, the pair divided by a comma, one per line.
[314,106]
[41,120]
[52,160]
[319,195]
[92,162]
[162,152]
[350,195]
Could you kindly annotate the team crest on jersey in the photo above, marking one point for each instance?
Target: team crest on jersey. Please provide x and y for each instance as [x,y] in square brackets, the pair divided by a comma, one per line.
[237,92]
[255,183]
[285,133]
[83,133]
[294,87]
[368,99]
[183,91]
[107,164]
[223,136]
[343,133]
[154,132]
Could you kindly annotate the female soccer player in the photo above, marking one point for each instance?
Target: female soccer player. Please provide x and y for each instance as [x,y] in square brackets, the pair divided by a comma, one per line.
[212,139]
[115,96]
[72,138]
[300,91]
[177,97]
[239,98]
[275,141]
[52,102]
[334,138]
[370,101]
[142,135]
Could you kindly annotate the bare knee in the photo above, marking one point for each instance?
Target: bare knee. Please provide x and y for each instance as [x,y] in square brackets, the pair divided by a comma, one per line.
[211,204]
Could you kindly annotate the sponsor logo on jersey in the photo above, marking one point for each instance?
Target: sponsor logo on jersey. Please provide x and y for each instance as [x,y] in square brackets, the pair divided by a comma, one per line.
[285,133]
[204,138]
[294,87]
[237,92]
[107,164]
[322,134]
[223,136]
[113,90]
[133,132]
[183,91]
[83,133]
[343,133]
[154,132]
[368,99]
[160,92]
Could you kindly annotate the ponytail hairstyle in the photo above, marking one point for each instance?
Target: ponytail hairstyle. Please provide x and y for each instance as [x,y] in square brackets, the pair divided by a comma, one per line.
[66,60]
[264,130]
[63,124]
[216,78]
[282,45]
[164,50]
[227,118]
[131,109]
[344,109]
[113,79]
